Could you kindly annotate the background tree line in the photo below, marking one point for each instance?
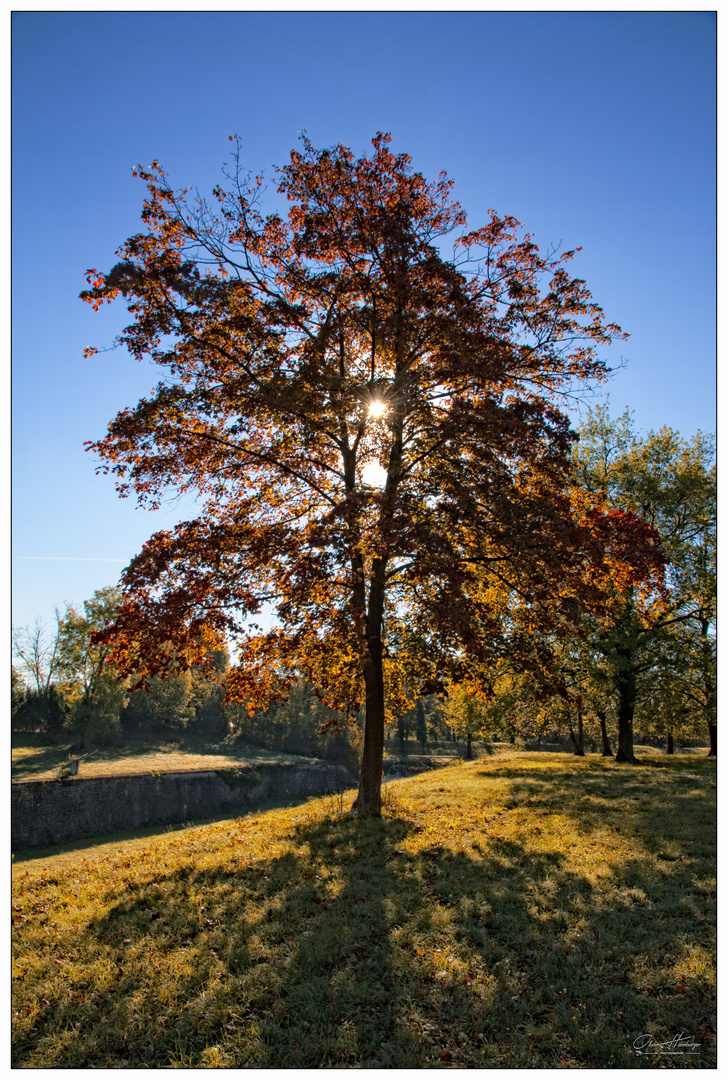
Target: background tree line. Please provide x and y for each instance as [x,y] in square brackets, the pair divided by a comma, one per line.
[64,685]
[650,661]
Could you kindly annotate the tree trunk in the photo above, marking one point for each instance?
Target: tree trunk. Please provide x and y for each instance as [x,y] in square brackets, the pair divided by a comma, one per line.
[626,682]
[606,748]
[577,742]
[670,743]
[469,748]
[421,724]
[369,797]
[709,682]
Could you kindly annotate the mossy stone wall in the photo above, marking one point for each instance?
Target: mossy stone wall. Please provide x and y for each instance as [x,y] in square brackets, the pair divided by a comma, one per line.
[55,811]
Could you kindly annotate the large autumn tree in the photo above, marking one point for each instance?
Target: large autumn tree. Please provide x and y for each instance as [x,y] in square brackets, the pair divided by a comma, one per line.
[303,348]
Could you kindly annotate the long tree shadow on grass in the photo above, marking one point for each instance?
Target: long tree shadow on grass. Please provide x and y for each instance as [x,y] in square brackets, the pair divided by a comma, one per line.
[351,949]
[38,759]
[629,801]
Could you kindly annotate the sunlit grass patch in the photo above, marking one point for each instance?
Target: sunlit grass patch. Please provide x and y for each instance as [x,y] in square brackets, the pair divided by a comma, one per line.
[34,760]
[511,912]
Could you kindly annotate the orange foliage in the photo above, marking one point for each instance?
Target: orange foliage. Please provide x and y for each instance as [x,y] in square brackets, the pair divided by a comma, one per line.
[276,332]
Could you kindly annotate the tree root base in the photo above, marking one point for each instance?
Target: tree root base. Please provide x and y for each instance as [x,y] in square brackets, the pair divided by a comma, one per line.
[362,809]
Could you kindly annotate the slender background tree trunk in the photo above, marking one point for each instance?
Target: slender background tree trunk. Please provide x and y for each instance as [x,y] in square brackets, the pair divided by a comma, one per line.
[709,684]
[577,741]
[606,748]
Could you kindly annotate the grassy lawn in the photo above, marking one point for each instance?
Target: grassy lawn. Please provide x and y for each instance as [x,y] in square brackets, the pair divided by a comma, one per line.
[523,910]
[35,759]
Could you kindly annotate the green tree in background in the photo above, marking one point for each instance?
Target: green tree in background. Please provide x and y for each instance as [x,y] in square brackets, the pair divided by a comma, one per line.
[300,725]
[165,703]
[670,483]
[673,703]
[95,693]
[208,690]
[467,714]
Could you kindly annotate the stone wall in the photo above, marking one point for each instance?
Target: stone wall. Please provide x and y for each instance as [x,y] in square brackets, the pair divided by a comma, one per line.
[55,811]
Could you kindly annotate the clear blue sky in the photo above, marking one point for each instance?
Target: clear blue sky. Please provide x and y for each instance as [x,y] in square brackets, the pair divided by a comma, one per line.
[593,129]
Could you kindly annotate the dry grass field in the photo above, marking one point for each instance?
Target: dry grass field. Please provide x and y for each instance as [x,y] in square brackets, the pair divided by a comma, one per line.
[35,759]
[522,910]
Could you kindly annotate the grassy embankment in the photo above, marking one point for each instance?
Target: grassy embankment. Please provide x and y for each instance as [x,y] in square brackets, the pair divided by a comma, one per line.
[35,758]
[520,911]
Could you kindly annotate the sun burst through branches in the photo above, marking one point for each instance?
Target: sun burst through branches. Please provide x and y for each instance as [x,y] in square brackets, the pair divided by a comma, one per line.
[377,409]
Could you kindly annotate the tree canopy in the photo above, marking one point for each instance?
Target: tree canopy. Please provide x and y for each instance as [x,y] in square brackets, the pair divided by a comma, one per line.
[299,350]
[658,643]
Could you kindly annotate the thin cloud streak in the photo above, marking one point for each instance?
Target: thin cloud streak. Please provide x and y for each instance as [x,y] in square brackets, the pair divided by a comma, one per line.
[68,558]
